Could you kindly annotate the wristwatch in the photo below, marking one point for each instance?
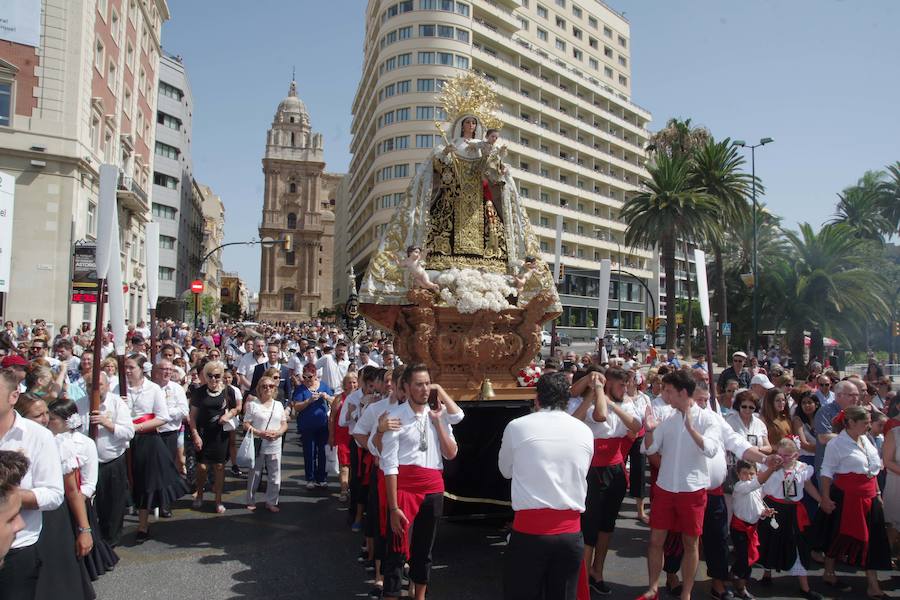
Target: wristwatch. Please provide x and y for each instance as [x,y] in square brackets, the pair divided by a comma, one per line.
[84,529]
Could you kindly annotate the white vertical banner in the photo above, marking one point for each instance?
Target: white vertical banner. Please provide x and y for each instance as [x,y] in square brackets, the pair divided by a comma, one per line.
[558,248]
[116,295]
[107,219]
[152,271]
[7,202]
[603,297]
[702,287]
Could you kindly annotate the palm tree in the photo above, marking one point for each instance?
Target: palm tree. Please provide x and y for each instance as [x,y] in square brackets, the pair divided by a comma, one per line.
[717,169]
[861,207]
[890,199]
[668,208]
[677,138]
[826,287]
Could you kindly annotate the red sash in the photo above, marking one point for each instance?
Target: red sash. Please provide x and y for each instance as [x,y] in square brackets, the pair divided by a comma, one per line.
[752,537]
[547,521]
[413,484]
[364,465]
[891,423]
[718,491]
[144,419]
[802,516]
[486,190]
[608,452]
[859,491]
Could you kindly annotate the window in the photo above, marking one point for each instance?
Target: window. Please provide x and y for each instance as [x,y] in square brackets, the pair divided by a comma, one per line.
[170,91]
[390,64]
[623,80]
[440,114]
[166,242]
[166,181]
[542,35]
[403,86]
[623,42]
[401,142]
[561,23]
[287,301]
[608,72]
[523,23]
[162,211]
[445,58]
[292,221]
[91,218]
[592,42]
[290,258]
[427,4]
[388,118]
[594,64]
[424,141]
[426,30]
[401,171]
[462,62]
[445,31]
[292,188]
[403,114]
[576,11]
[607,31]
[98,57]
[425,85]
[561,3]
[577,33]
[424,113]
[404,33]
[166,150]
[541,11]
[560,45]
[426,58]
[462,9]
[5,103]
[577,54]
[462,35]
[592,21]
[389,90]
[447,5]
[166,273]
[623,61]
[405,6]
[168,120]
[403,60]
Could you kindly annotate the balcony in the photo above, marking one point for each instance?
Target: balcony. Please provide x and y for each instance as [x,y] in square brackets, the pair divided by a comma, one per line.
[133,196]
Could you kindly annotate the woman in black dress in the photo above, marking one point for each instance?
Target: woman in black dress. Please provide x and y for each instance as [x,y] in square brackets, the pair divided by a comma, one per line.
[212,405]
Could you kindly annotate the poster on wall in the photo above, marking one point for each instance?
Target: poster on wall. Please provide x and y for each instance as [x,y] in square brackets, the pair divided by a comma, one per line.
[20,21]
[85,286]
[7,196]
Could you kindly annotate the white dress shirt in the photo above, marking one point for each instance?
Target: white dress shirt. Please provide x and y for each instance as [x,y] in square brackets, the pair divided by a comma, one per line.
[843,455]
[747,503]
[547,455]
[367,424]
[86,451]
[112,444]
[248,362]
[403,447]
[613,427]
[43,477]
[684,466]
[733,442]
[176,404]
[353,399]
[799,474]
[147,399]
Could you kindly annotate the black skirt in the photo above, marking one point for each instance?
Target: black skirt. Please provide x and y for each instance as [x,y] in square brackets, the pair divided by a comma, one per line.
[215,445]
[102,558]
[155,479]
[779,548]
[828,539]
[62,574]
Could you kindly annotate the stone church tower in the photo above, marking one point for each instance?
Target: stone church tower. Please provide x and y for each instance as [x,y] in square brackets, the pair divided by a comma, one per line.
[296,275]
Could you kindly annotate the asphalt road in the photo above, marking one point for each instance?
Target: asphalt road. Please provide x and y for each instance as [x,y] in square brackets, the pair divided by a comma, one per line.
[307,551]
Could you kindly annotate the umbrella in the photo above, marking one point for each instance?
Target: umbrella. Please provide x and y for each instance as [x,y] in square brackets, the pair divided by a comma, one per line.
[828,342]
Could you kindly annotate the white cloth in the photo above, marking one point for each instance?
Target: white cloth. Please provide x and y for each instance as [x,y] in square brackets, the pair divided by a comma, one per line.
[613,427]
[367,424]
[43,477]
[800,473]
[258,416]
[547,455]
[747,501]
[272,464]
[147,399]
[403,447]
[177,405]
[684,466]
[351,404]
[332,370]
[86,451]
[248,362]
[294,364]
[733,442]
[112,444]
[843,455]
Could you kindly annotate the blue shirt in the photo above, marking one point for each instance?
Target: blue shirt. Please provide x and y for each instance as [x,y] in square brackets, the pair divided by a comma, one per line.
[822,424]
[315,416]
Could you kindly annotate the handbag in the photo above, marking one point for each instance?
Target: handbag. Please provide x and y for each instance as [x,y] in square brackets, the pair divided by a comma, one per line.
[246,454]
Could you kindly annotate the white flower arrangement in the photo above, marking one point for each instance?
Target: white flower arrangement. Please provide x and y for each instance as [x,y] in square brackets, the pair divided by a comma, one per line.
[470,290]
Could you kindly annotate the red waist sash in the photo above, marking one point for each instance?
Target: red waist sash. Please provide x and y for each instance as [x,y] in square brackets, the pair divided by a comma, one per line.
[413,484]
[608,452]
[752,537]
[802,516]
[547,521]
[859,491]
[716,491]
[144,419]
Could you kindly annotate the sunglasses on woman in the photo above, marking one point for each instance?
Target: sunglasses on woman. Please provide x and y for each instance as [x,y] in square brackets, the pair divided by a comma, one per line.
[214,376]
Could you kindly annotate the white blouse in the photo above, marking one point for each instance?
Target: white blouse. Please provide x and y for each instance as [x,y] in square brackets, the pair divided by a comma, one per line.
[796,476]
[258,416]
[416,443]
[147,399]
[86,452]
[843,455]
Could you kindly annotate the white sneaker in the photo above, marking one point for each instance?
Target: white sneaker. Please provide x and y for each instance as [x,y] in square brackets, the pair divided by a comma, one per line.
[322,484]
[310,485]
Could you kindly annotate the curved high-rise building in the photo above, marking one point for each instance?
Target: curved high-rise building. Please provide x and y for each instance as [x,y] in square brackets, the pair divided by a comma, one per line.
[576,141]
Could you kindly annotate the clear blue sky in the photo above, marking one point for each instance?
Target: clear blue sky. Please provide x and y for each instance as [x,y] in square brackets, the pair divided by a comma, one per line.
[817,76]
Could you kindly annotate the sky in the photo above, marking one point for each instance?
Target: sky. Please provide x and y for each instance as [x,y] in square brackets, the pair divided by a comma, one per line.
[817,76]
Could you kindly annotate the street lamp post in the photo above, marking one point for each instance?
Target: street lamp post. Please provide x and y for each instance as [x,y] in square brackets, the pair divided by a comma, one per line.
[755,266]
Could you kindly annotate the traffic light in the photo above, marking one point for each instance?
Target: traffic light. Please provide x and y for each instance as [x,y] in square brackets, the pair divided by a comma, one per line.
[896,328]
[562,273]
[288,242]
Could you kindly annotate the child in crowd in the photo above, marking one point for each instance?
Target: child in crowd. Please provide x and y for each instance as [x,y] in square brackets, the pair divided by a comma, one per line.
[749,508]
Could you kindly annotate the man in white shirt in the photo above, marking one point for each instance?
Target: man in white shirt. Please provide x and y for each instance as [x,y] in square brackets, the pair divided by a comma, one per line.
[249,361]
[412,462]
[547,455]
[40,489]
[114,430]
[684,441]
[332,372]
[364,360]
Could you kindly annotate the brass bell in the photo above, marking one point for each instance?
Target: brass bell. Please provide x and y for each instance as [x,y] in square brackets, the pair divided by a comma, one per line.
[487,390]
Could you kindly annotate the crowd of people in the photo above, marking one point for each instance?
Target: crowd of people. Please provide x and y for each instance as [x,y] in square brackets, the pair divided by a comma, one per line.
[768,473]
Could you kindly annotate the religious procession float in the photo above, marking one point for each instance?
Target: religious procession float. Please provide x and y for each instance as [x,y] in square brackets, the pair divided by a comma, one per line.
[459,282]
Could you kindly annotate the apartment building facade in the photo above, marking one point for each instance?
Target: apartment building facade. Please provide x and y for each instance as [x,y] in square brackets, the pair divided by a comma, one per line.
[82,94]
[576,141]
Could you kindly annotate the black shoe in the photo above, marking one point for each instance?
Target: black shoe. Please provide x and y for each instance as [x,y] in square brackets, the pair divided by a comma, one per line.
[165,514]
[376,592]
[236,471]
[599,586]
[141,537]
[811,595]
[766,581]
[744,594]
[726,595]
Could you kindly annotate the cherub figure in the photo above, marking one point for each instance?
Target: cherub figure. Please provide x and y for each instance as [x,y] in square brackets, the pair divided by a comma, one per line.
[413,263]
[528,270]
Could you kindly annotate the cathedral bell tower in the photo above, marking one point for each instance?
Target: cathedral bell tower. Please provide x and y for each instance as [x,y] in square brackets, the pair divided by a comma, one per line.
[298,206]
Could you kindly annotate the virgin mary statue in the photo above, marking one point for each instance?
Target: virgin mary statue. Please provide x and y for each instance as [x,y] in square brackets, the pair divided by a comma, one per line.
[461,208]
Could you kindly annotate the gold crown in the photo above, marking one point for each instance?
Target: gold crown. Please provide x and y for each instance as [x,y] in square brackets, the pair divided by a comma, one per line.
[470,94]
